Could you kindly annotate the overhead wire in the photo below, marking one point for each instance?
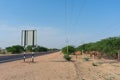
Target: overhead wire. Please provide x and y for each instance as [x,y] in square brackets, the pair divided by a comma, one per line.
[66,22]
[111,30]
[80,12]
[75,21]
[70,22]
[71,17]
[78,18]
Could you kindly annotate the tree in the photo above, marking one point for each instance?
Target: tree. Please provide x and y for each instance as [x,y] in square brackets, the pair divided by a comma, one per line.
[41,49]
[54,49]
[68,50]
[15,49]
[29,48]
[110,46]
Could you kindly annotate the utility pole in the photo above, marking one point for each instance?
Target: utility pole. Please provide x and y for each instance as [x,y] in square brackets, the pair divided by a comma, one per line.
[67,42]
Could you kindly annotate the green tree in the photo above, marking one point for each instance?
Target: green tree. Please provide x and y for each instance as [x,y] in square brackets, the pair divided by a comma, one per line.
[29,48]
[54,49]
[109,46]
[69,50]
[41,49]
[15,49]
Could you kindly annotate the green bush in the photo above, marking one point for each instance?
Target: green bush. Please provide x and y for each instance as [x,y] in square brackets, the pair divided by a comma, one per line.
[41,49]
[109,46]
[15,49]
[36,49]
[94,64]
[86,59]
[67,57]
[68,50]
[29,48]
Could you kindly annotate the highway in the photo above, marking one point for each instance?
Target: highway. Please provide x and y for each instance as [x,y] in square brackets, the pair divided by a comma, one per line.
[15,57]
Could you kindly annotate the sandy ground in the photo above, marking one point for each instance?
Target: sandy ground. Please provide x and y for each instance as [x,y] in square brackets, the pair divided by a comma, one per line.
[47,67]
[54,67]
[102,70]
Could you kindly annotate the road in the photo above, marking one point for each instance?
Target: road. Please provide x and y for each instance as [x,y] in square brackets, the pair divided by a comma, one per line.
[10,58]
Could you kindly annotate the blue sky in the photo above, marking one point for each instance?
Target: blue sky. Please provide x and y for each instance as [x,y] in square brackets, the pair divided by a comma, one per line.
[79,21]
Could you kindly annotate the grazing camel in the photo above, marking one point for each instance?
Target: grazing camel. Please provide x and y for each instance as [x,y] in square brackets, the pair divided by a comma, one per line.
[78,53]
[95,53]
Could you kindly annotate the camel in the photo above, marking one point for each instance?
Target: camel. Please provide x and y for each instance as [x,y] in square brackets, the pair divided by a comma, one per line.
[95,53]
[78,53]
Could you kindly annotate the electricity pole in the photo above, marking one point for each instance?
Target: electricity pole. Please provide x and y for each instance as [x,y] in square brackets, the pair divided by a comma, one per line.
[67,42]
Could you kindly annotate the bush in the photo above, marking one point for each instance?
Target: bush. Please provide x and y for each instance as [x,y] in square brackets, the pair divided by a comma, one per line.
[53,49]
[67,57]
[86,59]
[109,46]
[36,49]
[41,49]
[94,64]
[68,50]
[29,48]
[15,49]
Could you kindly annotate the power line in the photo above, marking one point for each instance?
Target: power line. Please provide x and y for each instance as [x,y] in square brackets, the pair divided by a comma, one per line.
[73,22]
[71,16]
[66,18]
[80,12]
[66,25]
[111,30]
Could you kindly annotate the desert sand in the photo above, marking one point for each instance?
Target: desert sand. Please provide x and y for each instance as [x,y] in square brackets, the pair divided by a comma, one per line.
[55,67]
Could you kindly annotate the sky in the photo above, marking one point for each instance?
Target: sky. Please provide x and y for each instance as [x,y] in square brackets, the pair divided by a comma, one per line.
[59,21]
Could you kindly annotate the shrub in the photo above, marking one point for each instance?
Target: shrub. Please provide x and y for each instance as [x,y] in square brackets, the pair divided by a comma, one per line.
[15,49]
[86,59]
[29,48]
[36,49]
[94,64]
[68,50]
[67,57]
[40,49]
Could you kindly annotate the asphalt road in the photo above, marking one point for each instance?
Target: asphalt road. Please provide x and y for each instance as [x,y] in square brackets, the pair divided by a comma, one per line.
[10,58]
